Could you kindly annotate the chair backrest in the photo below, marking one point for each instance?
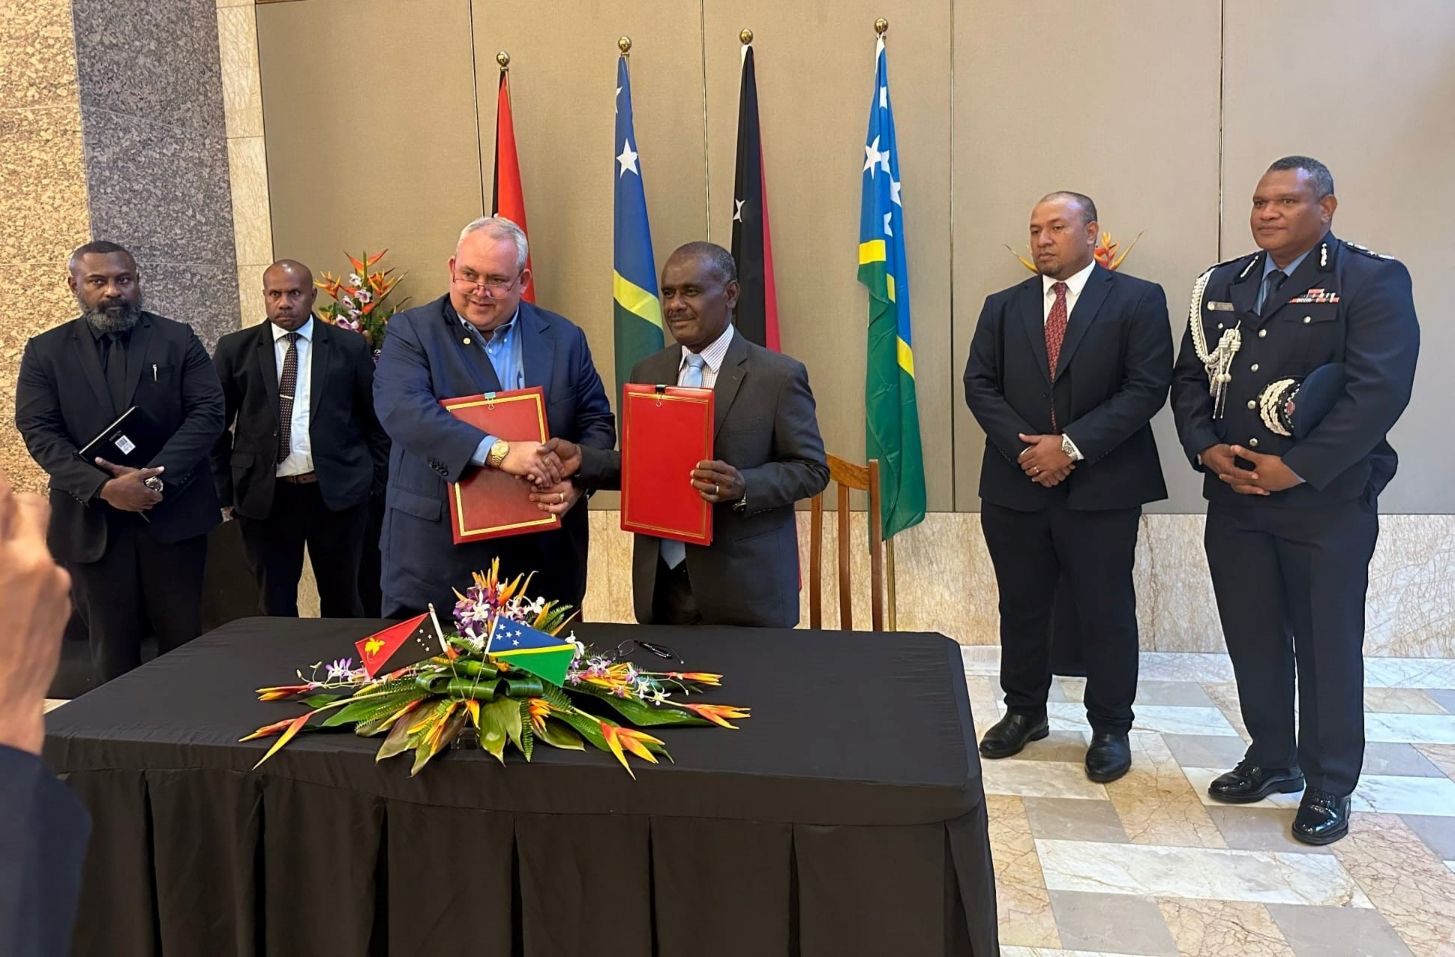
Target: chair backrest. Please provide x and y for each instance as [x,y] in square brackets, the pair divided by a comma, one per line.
[864,478]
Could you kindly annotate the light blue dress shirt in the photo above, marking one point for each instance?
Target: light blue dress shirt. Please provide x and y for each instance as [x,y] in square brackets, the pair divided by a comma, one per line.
[503,349]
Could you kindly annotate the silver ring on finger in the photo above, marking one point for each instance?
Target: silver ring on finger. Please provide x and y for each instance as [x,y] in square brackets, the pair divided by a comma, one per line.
[1035,470]
[560,498]
[717,490]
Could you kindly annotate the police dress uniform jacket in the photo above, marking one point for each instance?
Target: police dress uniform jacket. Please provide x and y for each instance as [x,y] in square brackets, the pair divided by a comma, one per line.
[1343,304]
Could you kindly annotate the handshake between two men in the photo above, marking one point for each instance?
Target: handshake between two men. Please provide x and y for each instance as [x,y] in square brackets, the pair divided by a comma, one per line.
[549,466]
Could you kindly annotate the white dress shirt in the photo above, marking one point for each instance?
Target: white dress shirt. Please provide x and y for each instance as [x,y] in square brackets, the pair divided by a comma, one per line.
[300,450]
[712,358]
[1074,285]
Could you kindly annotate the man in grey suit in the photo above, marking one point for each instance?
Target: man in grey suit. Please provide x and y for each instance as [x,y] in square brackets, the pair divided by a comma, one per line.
[769,455]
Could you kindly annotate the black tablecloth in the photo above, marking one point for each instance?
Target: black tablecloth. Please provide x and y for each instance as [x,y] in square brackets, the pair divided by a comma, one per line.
[845,817]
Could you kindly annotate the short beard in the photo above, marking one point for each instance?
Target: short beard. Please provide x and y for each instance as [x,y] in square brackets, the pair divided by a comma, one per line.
[121,320]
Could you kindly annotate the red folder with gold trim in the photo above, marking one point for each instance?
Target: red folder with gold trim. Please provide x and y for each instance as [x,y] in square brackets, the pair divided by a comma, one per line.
[665,432]
[489,503]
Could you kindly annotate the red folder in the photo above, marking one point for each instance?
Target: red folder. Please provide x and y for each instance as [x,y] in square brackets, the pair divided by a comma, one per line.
[489,503]
[665,432]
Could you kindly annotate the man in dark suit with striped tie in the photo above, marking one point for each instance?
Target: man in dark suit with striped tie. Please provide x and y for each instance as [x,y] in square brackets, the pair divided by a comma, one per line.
[305,449]
[1065,373]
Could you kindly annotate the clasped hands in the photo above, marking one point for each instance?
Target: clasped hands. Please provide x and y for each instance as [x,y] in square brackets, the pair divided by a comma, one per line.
[1267,476]
[549,466]
[1044,461]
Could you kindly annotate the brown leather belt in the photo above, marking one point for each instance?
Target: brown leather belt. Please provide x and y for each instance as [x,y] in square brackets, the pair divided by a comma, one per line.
[306,478]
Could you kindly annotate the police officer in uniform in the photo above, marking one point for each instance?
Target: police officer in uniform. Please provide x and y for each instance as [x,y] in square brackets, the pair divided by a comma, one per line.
[1297,361]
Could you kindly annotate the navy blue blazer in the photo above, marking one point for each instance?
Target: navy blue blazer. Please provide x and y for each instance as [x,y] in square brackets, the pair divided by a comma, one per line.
[1111,378]
[425,359]
[1342,304]
[42,848]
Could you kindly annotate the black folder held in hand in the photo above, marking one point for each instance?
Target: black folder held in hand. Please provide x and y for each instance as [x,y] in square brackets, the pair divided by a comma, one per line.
[132,440]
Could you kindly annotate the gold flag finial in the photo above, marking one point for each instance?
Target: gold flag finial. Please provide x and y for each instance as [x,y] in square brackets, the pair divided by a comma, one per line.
[746,36]
[503,59]
[624,44]
[881,26]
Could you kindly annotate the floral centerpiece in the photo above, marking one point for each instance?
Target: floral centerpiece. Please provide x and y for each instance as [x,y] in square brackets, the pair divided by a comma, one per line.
[360,299]
[469,695]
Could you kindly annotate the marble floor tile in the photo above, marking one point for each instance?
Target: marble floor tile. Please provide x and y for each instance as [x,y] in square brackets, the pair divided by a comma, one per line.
[1409,673]
[1022,901]
[1089,921]
[1253,828]
[983,687]
[1065,746]
[1204,873]
[1412,887]
[1410,728]
[1206,750]
[1401,759]
[1441,755]
[1225,695]
[1184,666]
[1438,833]
[1451,865]
[1345,931]
[1204,928]
[1039,779]
[52,704]
[1400,701]
[1156,803]
[981,659]
[1445,698]
[1071,819]
[1165,719]
[1055,951]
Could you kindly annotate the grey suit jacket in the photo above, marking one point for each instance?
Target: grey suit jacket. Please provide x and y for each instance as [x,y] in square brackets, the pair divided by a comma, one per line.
[766,427]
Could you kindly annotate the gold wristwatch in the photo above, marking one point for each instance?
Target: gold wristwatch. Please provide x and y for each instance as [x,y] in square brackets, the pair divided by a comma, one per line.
[497,453]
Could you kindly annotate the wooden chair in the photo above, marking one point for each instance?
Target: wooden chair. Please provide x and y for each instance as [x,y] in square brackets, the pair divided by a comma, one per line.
[865,478]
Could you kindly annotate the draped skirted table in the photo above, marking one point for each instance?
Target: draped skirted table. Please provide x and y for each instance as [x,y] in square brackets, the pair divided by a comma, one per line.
[845,817]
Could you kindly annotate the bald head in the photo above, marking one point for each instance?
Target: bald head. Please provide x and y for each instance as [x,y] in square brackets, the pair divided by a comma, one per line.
[288,294]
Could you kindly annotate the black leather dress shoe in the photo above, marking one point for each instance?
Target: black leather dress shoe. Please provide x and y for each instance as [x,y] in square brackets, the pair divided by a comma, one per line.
[1108,758]
[1011,733]
[1322,817]
[1248,783]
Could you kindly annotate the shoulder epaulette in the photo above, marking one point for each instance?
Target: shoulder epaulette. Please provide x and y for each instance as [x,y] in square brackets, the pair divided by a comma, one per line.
[1366,251]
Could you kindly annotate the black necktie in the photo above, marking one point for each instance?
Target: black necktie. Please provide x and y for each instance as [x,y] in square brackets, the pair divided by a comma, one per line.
[1271,283]
[286,387]
[113,361]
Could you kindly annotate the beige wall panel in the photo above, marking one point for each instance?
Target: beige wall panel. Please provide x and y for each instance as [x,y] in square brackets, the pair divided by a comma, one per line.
[1118,103]
[370,150]
[562,84]
[1368,89]
[815,67]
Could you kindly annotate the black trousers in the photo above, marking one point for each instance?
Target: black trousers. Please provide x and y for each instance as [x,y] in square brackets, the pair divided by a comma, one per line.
[672,600]
[335,543]
[1091,553]
[1290,586]
[139,587]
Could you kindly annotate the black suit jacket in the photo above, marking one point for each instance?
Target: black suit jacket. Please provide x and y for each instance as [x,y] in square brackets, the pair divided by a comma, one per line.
[765,425]
[61,403]
[42,848]
[350,449]
[1363,315]
[1111,378]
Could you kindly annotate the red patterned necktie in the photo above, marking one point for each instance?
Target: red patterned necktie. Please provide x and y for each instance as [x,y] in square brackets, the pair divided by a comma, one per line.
[287,385]
[1055,335]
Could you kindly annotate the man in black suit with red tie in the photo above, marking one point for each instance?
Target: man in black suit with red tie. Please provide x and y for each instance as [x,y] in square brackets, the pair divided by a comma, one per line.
[306,450]
[134,540]
[1065,373]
